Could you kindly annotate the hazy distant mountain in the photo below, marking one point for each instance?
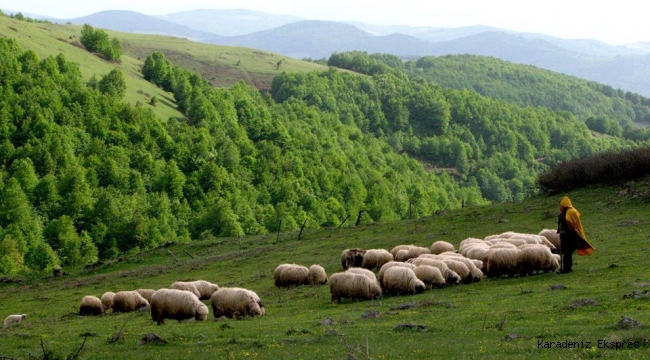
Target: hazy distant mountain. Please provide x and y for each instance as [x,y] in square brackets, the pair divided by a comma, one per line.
[624,67]
[229,22]
[134,22]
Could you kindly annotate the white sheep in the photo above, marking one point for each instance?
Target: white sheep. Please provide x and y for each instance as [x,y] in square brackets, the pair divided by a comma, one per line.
[236,303]
[451,277]
[388,265]
[376,258]
[13,319]
[349,285]
[187,286]
[459,268]
[146,293]
[205,288]
[126,301]
[287,275]
[107,300]
[475,272]
[535,258]
[439,247]
[552,236]
[431,276]
[90,305]
[177,305]
[316,275]
[501,262]
[400,280]
[371,275]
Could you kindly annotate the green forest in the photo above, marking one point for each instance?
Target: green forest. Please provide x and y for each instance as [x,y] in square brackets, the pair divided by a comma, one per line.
[86,176]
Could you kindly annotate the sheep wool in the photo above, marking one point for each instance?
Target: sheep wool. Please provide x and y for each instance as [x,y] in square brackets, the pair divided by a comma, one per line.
[365,272]
[348,285]
[146,293]
[90,305]
[399,280]
[316,275]
[107,300]
[352,257]
[388,265]
[13,319]
[187,286]
[376,258]
[177,305]
[501,262]
[431,276]
[205,288]
[439,247]
[236,303]
[287,275]
[552,236]
[127,301]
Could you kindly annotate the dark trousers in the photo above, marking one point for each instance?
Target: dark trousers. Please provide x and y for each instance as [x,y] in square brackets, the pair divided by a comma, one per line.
[568,247]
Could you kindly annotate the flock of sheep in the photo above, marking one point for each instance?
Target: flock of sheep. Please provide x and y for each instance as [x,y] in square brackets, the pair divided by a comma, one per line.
[181,301]
[405,269]
[411,269]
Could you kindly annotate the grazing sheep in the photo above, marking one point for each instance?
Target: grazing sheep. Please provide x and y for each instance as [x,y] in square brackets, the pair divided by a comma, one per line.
[146,293]
[236,303]
[286,275]
[475,272]
[371,275]
[500,262]
[431,276]
[397,248]
[316,275]
[107,300]
[205,288]
[503,245]
[349,285]
[13,319]
[376,258]
[439,247]
[388,265]
[459,268]
[90,305]
[127,301]
[477,252]
[400,280]
[187,286]
[535,258]
[553,237]
[468,243]
[352,258]
[404,255]
[177,305]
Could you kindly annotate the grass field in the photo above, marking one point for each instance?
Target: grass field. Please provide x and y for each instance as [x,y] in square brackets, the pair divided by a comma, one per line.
[491,319]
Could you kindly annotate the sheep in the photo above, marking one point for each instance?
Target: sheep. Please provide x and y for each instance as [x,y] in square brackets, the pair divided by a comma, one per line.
[477,252]
[430,275]
[316,275]
[400,280]
[388,265]
[468,243]
[349,285]
[500,261]
[352,258]
[205,288]
[371,275]
[177,305]
[376,258]
[236,303]
[535,258]
[441,246]
[146,293]
[286,275]
[451,277]
[90,305]
[397,248]
[126,301]
[186,285]
[13,319]
[403,255]
[553,237]
[107,300]
[503,245]
[475,272]
[459,268]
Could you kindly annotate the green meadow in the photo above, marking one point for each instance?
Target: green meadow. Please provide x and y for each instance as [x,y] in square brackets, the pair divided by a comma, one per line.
[513,317]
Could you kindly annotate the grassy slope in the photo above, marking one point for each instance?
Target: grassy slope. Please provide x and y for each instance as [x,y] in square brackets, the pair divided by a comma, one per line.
[461,320]
[222,65]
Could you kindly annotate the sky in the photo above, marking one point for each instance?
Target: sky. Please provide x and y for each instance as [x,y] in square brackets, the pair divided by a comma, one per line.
[614,22]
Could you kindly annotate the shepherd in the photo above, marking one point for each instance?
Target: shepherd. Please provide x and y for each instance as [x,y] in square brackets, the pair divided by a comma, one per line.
[572,235]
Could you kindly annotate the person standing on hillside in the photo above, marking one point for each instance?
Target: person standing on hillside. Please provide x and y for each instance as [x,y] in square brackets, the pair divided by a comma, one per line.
[572,236]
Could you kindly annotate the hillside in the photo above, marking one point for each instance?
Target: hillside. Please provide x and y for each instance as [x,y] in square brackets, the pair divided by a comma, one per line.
[495,318]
